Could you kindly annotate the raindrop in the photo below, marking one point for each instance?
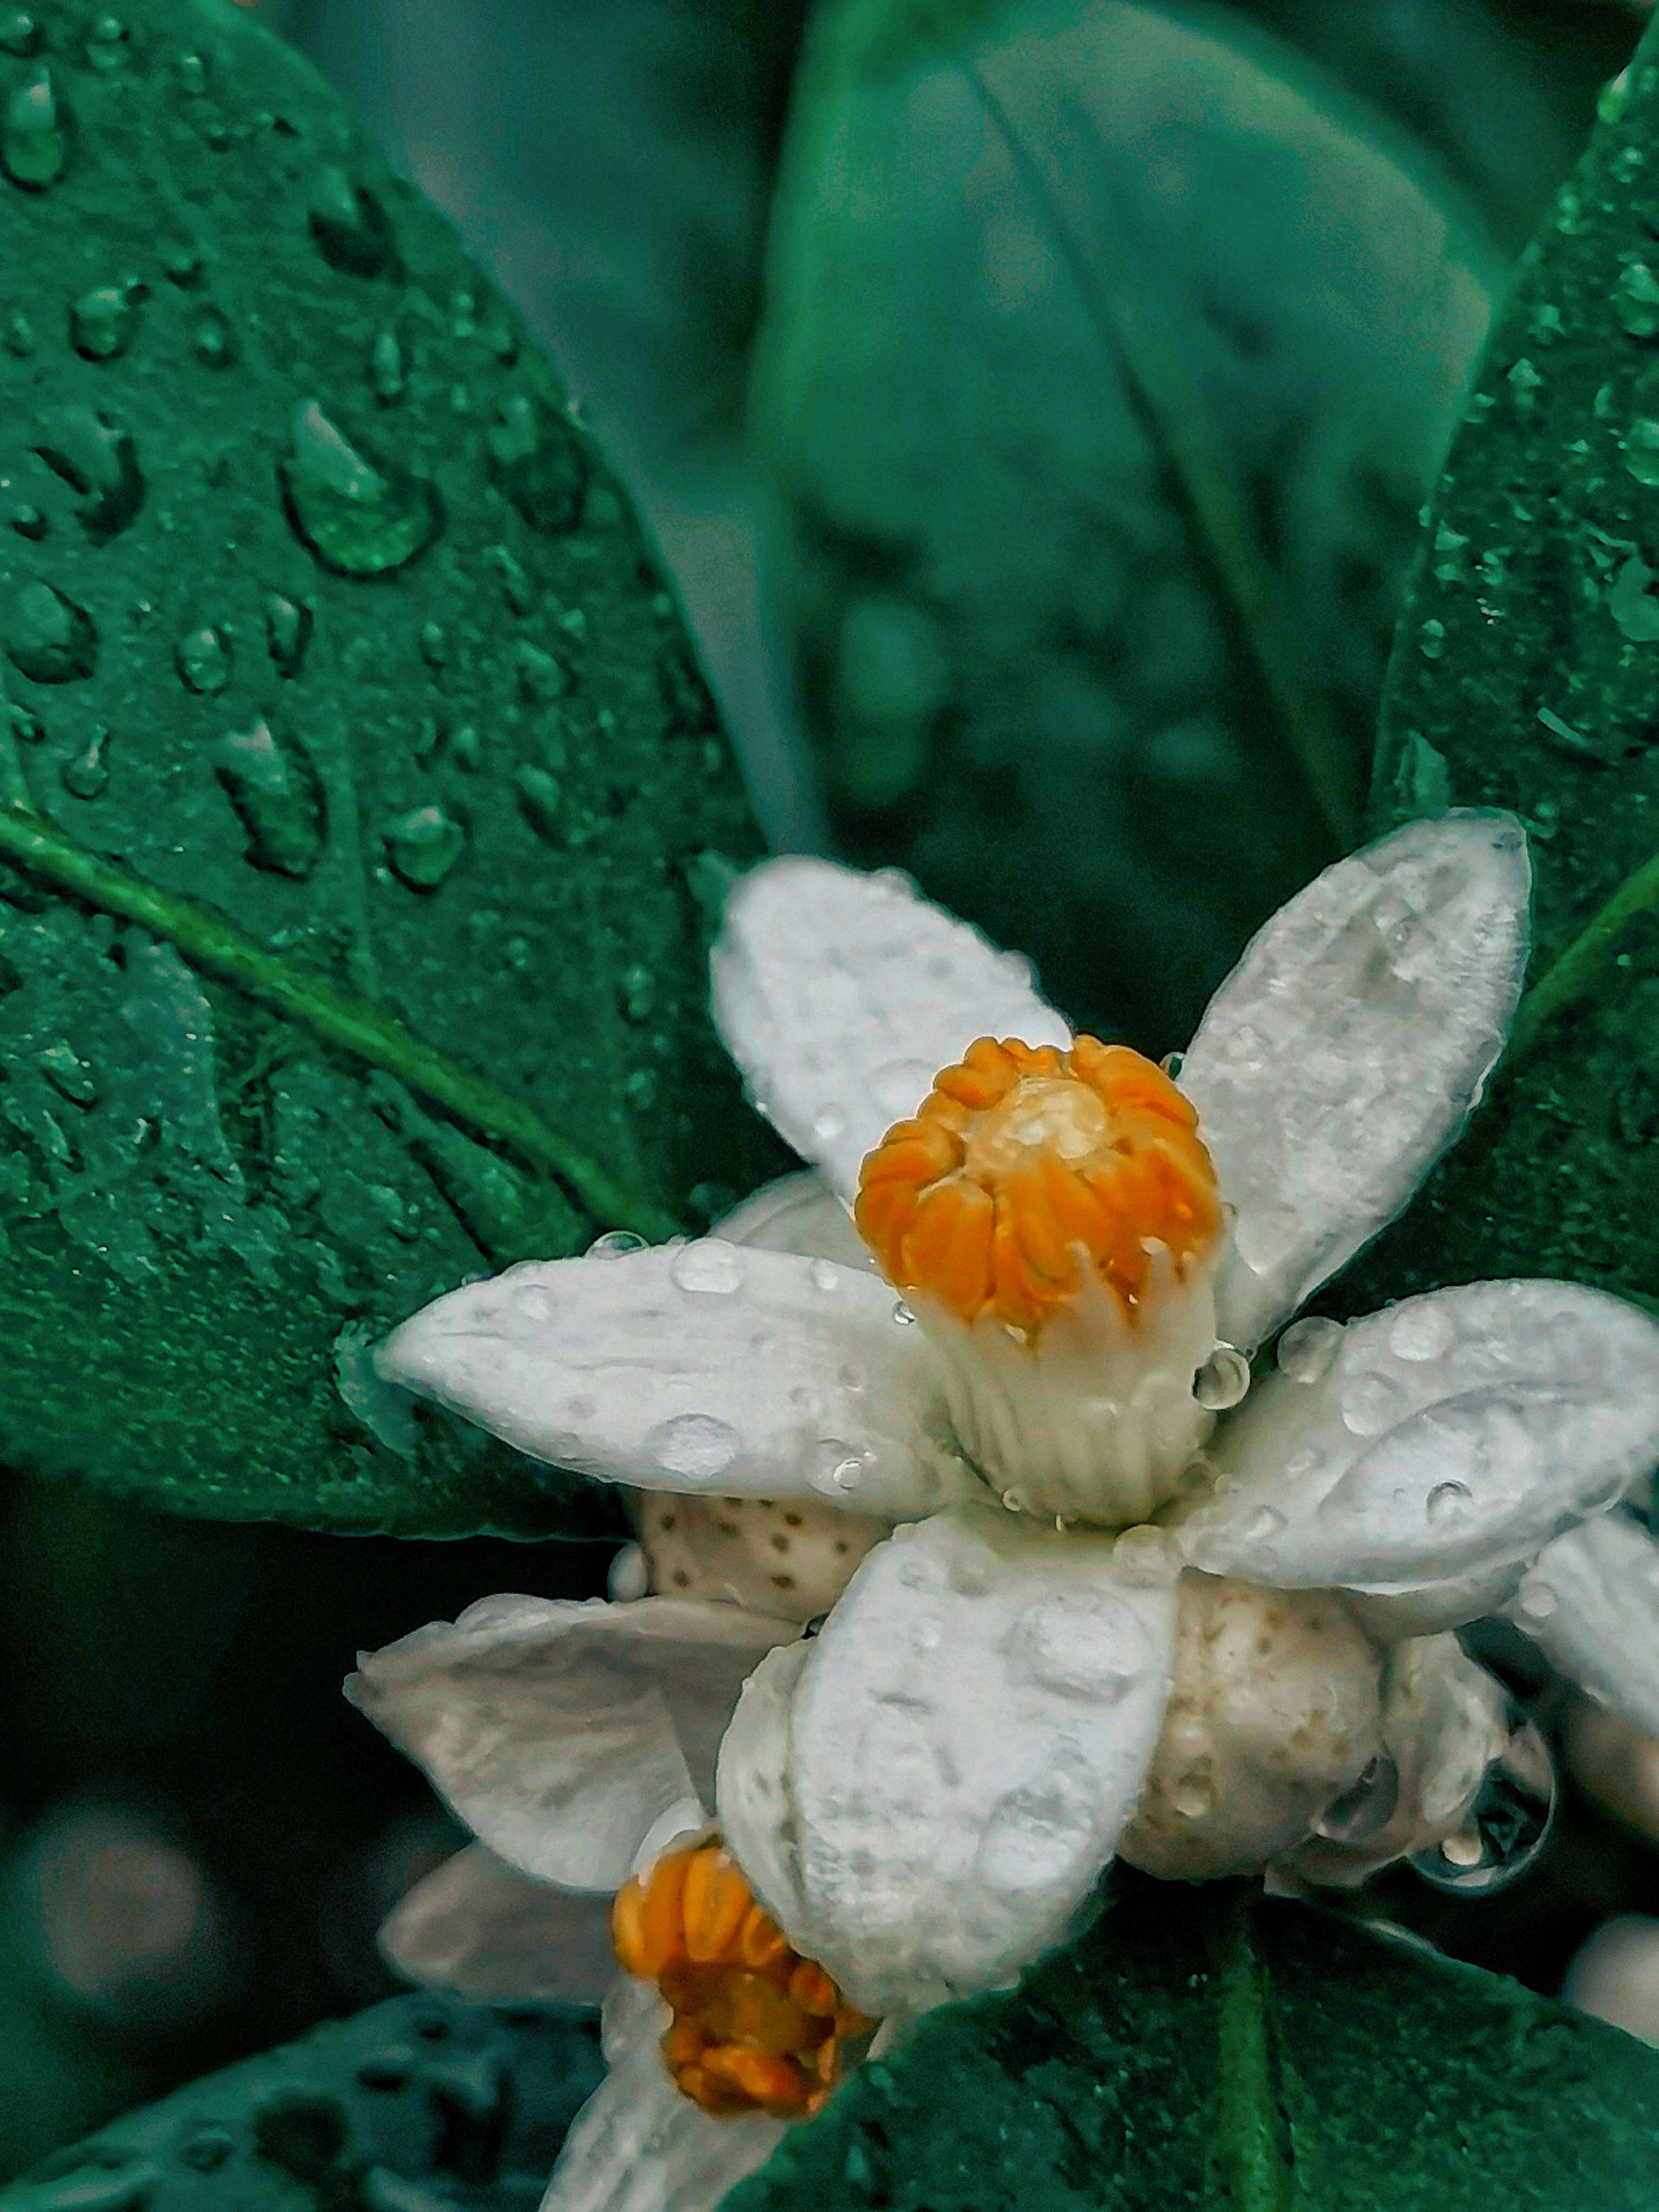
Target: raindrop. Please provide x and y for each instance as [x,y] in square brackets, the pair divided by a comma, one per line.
[288,632]
[834,1468]
[385,368]
[638,992]
[902,1314]
[87,774]
[615,1244]
[1537,1600]
[1445,1501]
[1641,450]
[535,1302]
[540,796]
[1636,299]
[34,146]
[1194,1795]
[1366,1808]
[829,1123]
[540,677]
[1371,1402]
[19,32]
[536,460]
[516,587]
[824,1275]
[49,638]
[1223,1380]
[1421,1329]
[1264,1526]
[630,1577]
[102,322]
[348,224]
[107,47]
[357,520]
[1013,1501]
[1508,1824]
[1080,1647]
[900,1087]
[277,799]
[68,1073]
[423,846]
[20,337]
[99,461]
[435,645]
[29,522]
[213,339]
[694,1445]
[1308,1347]
[183,265]
[707,1264]
[202,658]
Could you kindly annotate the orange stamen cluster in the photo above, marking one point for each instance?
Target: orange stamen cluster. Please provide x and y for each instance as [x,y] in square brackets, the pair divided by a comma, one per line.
[757,2027]
[1027,1167]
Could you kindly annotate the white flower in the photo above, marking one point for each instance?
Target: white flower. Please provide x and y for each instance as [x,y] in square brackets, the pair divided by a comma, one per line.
[922,1795]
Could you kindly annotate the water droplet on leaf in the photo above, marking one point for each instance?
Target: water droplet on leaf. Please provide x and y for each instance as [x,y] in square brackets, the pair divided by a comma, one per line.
[48,637]
[288,632]
[87,775]
[35,143]
[348,224]
[102,321]
[423,846]
[357,520]
[98,460]
[536,460]
[202,658]
[277,799]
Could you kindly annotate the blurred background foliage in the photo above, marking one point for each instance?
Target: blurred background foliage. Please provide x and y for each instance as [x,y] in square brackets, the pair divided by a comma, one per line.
[1076,732]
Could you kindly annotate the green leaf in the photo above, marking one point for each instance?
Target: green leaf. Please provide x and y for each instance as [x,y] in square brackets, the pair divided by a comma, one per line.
[1202,2049]
[422,2105]
[1104,374]
[1526,676]
[358,793]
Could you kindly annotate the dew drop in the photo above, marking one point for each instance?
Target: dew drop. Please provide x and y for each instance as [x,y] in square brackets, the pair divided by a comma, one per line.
[87,775]
[357,520]
[537,461]
[638,989]
[19,32]
[107,43]
[288,632]
[48,637]
[1366,1808]
[1223,1380]
[540,677]
[629,1577]
[1641,450]
[538,795]
[213,340]
[1308,1347]
[1080,1648]
[30,522]
[902,1314]
[824,1275]
[1421,1329]
[423,846]
[535,1302]
[35,143]
[348,224]
[202,658]
[709,1265]
[1509,1823]
[435,645]
[834,1467]
[1445,1501]
[68,1073]
[102,322]
[1194,1795]
[98,460]
[694,1445]
[1371,1402]
[1636,299]
[615,1244]
[1172,1063]
[1264,1527]
[516,587]
[385,368]
[277,799]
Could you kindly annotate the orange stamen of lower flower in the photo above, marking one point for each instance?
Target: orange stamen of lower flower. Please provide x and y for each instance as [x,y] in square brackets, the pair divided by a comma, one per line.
[1028,1168]
[757,2027]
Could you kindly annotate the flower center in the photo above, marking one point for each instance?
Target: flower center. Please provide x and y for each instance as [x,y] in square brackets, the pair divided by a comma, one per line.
[1029,1172]
[755,2026]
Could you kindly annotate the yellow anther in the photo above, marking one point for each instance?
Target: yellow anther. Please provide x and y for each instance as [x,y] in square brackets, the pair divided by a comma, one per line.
[1028,1170]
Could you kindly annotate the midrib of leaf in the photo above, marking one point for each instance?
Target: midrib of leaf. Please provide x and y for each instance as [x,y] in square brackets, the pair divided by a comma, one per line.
[344,1024]
[1169,398]
[1249,2131]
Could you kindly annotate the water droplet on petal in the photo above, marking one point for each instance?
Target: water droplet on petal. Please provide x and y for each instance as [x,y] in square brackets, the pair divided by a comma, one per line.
[709,1266]
[1421,1329]
[824,1275]
[630,1576]
[1194,1795]
[48,637]
[902,1314]
[614,1244]
[535,1302]
[1308,1347]
[695,1446]
[1371,1402]
[34,145]
[1223,1380]
[1445,1501]
[277,798]
[834,1468]
[1366,1808]
[1508,1824]
[1264,1526]
[1081,1647]
[357,520]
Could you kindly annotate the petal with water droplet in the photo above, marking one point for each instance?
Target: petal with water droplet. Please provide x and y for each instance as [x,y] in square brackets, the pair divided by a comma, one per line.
[1340,1057]
[840,995]
[1591,1603]
[562,1732]
[1405,1466]
[925,1829]
[702,1367]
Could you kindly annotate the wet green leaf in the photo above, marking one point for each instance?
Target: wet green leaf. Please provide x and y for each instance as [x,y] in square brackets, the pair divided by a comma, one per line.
[1104,374]
[1526,676]
[423,2105]
[355,781]
[1200,2049]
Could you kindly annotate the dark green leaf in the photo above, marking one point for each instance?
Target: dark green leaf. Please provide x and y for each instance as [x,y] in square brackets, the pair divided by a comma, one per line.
[1526,676]
[355,794]
[423,2105]
[1104,374]
[1201,2050]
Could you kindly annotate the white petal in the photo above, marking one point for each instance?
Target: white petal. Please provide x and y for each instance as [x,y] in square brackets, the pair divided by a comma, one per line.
[798,1213]
[478,1927]
[1339,1058]
[1592,1604]
[964,1740]
[637,2144]
[703,1368]
[560,1732]
[840,995]
[1451,1435]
